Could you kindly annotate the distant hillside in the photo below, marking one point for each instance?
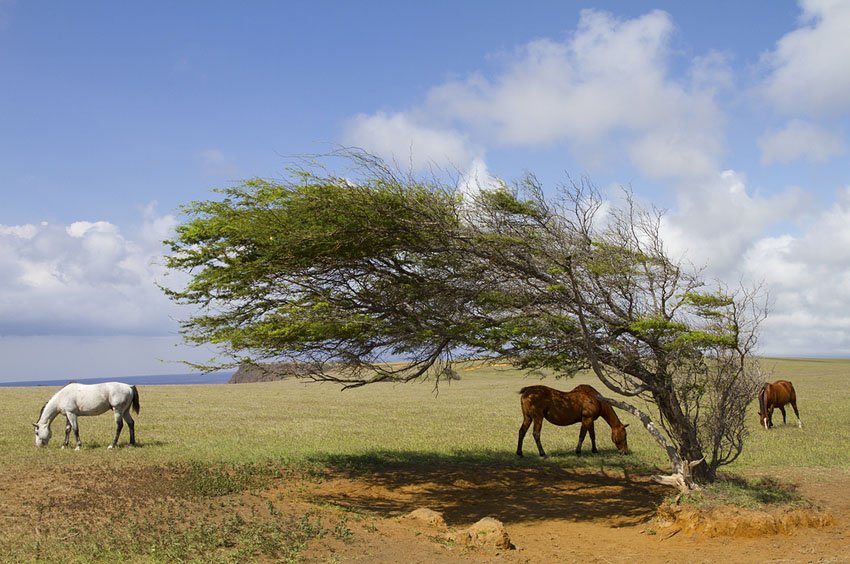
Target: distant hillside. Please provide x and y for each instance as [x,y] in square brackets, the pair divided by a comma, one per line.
[267,372]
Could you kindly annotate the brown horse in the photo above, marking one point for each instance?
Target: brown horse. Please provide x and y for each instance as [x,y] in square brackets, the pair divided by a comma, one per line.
[777,395]
[565,408]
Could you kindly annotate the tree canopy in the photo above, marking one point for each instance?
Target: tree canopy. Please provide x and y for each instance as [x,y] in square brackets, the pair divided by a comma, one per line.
[346,273]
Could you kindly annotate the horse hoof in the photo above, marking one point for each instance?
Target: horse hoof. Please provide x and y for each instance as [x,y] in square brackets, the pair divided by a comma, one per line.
[76,449]
[110,446]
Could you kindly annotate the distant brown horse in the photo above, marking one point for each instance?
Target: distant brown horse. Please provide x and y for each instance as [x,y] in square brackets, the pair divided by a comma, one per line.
[777,395]
[566,408]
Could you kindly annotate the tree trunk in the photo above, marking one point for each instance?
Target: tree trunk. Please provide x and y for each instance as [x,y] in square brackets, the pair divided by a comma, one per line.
[684,434]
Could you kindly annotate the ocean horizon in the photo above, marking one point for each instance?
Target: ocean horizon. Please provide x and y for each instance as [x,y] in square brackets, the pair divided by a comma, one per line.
[221,377]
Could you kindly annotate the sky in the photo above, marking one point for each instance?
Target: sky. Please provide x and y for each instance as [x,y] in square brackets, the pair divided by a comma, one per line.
[734,117]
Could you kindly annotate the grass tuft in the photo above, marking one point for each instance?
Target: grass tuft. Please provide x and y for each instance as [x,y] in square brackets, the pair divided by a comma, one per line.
[745,493]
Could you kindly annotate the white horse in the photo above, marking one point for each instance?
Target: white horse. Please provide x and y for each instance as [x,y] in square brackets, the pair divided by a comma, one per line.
[84,399]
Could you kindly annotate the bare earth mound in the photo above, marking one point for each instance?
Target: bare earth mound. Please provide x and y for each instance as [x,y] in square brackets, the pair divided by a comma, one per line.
[524,514]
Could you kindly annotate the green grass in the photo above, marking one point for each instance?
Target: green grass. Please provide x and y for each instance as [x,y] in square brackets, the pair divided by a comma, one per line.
[745,493]
[227,439]
[478,415]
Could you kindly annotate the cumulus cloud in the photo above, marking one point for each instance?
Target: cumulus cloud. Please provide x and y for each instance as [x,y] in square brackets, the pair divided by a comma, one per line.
[403,138]
[716,223]
[606,85]
[808,67]
[800,140]
[809,278]
[84,278]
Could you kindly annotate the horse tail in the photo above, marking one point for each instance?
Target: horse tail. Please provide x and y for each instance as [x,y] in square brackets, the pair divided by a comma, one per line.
[135,399]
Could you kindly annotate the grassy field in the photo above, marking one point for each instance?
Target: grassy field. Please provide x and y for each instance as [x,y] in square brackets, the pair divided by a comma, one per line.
[208,431]
[476,416]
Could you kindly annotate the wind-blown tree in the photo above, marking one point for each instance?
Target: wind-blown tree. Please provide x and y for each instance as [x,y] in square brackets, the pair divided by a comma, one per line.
[344,273]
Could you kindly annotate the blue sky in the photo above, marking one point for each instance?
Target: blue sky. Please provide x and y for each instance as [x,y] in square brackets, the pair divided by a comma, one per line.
[733,116]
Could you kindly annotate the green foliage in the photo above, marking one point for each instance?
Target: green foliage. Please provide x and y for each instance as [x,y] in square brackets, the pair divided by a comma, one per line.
[503,201]
[344,274]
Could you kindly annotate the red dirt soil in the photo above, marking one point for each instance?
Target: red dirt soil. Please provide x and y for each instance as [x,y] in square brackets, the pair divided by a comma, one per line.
[551,514]
[554,515]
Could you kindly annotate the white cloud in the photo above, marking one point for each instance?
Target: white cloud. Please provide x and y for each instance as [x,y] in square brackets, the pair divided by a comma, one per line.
[808,68]
[475,179]
[401,138]
[606,86]
[800,140]
[809,281]
[675,154]
[85,278]
[716,223]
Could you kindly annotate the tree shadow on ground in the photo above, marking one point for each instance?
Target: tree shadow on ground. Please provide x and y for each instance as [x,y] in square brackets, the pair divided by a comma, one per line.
[468,486]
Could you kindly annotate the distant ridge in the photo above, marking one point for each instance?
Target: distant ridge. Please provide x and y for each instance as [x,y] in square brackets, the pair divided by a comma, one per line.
[149,380]
[268,372]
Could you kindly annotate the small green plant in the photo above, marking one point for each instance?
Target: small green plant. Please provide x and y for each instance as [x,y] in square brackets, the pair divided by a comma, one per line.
[341,530]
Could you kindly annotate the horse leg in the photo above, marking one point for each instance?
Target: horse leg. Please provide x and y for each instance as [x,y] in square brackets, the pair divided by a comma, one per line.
[132,425]
[797,413]
[535,432]
[591,429]
[67,432]
[782,410]
[72,421]
[523,429]
[770,418]
[581,435]
[119,424]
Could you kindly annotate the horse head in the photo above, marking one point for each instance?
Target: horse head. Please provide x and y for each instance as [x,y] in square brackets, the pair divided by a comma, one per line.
[42,434]
[618,436]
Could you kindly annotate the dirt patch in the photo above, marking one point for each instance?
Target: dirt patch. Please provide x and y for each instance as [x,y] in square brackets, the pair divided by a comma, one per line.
[548,514]
[728,521]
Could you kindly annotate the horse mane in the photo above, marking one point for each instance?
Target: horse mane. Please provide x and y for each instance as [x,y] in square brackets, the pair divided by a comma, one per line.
[762,400]
[41,411]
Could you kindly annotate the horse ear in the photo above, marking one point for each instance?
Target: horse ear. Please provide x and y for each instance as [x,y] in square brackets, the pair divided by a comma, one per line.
[35,425]
[626,425]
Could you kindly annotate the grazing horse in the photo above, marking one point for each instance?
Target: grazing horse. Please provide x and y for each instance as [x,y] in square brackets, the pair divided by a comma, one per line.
[84,399]
[777,395]
[581,404]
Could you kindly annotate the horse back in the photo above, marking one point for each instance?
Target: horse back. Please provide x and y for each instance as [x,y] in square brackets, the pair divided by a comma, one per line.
[557,407]
[777,394]
[94,399]
[785,392]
